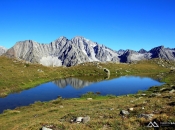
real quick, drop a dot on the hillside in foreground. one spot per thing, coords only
(156, 104)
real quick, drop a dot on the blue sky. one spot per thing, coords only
(118, 24)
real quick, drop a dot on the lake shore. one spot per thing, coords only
(103, 110)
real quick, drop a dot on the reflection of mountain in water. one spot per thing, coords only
(74, 82)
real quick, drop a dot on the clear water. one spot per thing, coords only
(73, 87)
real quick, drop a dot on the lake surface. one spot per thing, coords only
(73, 88)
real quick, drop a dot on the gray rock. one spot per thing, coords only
(61, 106)
(86, 119)
(106, 70)
(123, 112)
(162, 89)
(89, 98)
(172, 68)
(111, 109)
(82, 119)
(131, 109)
(79, 119)
(172, 91)
(2, 50)
(155, 94)
(146, 116)
(45, 128)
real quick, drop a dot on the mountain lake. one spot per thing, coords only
(74, 88)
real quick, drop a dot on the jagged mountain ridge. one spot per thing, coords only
(62, 52)
(80, 50)
(161, 52)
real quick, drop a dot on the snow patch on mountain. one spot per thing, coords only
(50, 61)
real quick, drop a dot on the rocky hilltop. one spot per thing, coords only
(2, 50)
(79, 50)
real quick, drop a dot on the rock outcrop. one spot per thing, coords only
(2, 50)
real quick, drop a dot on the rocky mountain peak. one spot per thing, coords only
(161, 52)
(121, 51)
(79, 50)
(157, 49)
(62, 38)
(142, 51)
(79, 39)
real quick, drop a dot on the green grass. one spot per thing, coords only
(17, 75)
(103, 110)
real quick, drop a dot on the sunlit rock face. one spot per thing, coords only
(2, 50)
(64, 52)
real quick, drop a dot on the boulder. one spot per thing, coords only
(82, 119)
(131, 109)
(45, 128)
(79, 119)
(86, 119)
(172, 91)
(61, 106)
(89, 98)
(155, 94)
(146, 116)
(123, 112)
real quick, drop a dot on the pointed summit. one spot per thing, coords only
(142, 51)
(77, 39)
(61, 38)
(161, 52)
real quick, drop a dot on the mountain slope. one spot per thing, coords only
(163, 53)
(2, 50)
(62, 52)
(80, 50)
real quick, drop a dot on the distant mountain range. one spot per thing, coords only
(79, 50)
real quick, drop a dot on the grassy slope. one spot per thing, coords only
(17, 75)
(99, 109)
